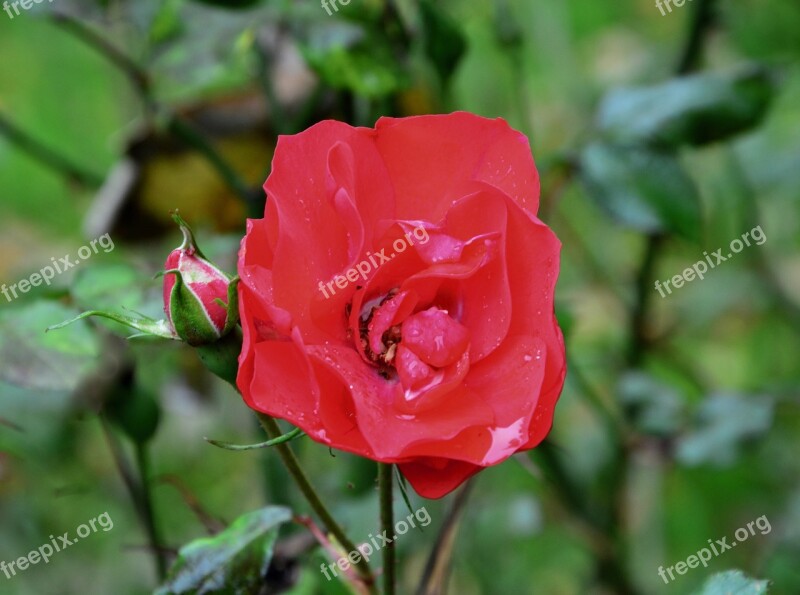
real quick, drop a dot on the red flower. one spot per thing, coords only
(397, 297)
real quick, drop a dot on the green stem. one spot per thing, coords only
(193, 138)
(280, 122)
(224, 363)
(702, 20)
(148, 511)
(611, 569)
(136, 490)
(301, 479)
(47, 156)
(387, 525)
(640, 338)
(437, 568)
(132, 70)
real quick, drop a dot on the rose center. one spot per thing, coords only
(400, 340)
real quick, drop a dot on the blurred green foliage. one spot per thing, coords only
(680, 419)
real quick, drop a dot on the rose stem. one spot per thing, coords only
(612, 569)
(437, 568)
(143, 464)
(387, 524)
(273, 430)
(48, 156)
(301, 479)
(136, 490)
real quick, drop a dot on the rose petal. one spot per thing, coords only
(429, 156)
(435, 337)
(433, 478)
(283, 384)
(377, 417)
(311, 226)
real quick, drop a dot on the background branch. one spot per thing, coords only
(48, 156)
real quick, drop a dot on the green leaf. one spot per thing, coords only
(445, 44)
(733, 582)
(722, 425)
(345, 57)
(231, 563)
(33, 359)
(166, 24)
(693, 110)
(645, 189)
(653, 407)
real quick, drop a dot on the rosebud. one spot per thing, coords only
(194, 300)
(199, 299)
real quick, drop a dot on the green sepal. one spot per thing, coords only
(288, 437)
(232, 306)
(222, 357)
(189, 316)
(146, 326)
(189, 243)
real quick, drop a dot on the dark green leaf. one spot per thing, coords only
(723, 423)
(653, 407)
(33, 359)
(642, 188)
(733, 582)
(231, 563)
(166, 23)
(694, 110)
(346, 58)
(444, 42)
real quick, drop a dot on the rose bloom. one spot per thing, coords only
(397, 297)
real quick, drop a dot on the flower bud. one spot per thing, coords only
(199, 299)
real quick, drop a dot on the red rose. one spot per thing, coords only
(397, 297)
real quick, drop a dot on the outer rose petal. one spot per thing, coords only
(449, 151)
(312, 214)
(434, 478)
